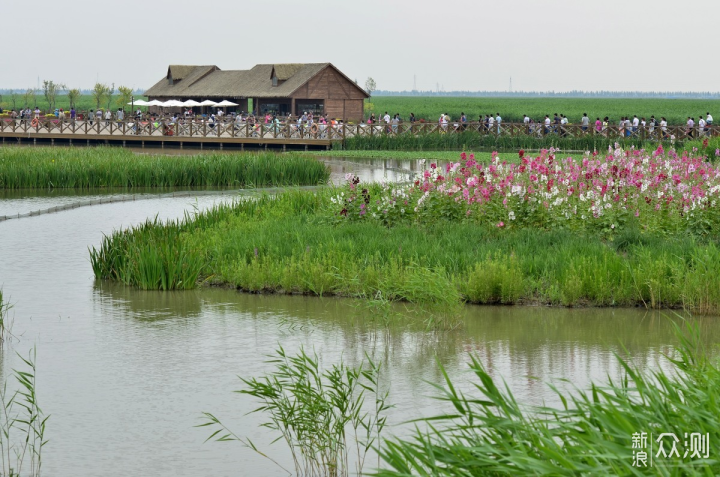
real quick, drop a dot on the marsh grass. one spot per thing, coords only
(5, 324)
(320, 414)
(289, 244)
(22, 423)
(472, 140)
(487, 432)
(82, 168)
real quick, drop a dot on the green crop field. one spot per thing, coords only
(512, 109)
(86, 102)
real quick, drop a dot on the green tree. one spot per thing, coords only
(370, 86)
(50, 91)
(108, 95)
(30, 98)
(125, 96)
(73, 96)
(98, 94)
(14, 99)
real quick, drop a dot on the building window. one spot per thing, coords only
(274, 81)
(312, 105)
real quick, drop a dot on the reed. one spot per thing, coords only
(289, 243)
(83, 168)
(22, 423)
(487, 432)
(320, 414)
(471, 140)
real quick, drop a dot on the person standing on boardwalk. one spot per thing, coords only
(498, 121)
(690, 125)
(584, 122)
(98, 115)
(701, 126)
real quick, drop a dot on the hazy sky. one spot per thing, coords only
(461, 45)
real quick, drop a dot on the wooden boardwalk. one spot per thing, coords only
(292, 135)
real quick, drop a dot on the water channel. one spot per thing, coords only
(126, 373)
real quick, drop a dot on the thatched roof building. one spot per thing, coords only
(281, 88)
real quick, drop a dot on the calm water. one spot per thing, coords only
(125, 374)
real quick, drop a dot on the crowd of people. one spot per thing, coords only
(626, 126)
(489, 123)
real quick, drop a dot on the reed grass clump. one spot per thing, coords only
(83, 168)
(320, 414)
(473, 140)
(289, 243)
(487, 432)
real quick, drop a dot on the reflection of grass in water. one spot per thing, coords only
(490, 433)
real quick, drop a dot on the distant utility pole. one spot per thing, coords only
(510, 90)
(414, 83)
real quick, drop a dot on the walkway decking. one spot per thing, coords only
(232, 134)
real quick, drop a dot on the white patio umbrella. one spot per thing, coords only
(154, 102)
(191, 103)
(224, 103)
(173, 103)
(140, 102)
(207, 102)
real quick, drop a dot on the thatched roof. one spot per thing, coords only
(286, 71)
(178, 72)
(212, 82)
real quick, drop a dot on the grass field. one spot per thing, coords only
(512, 109)
(86, 102)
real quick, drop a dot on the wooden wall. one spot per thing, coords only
(342, 98)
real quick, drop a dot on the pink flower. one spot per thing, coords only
(501, 224)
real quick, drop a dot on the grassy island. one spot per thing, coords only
(630, 228)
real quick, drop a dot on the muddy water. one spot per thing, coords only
(125, 373)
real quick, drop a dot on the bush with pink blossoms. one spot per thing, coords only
(659, 191)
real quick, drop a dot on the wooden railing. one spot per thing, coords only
(338, 132)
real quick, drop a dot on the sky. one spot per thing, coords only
(548, 45)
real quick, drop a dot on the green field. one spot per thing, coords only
(512, 109)
(86, 102)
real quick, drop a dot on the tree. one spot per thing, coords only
(29, 98)
(109, 93)
(14, 99)
(125, 96)
(98, 93)
(51, 90)
(73, 96)
(370, 86)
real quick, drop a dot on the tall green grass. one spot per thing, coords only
(80, 168)
(487, 432)
(474, 140)
(320, 414)
(289, 244)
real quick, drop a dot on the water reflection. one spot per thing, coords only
(514, 343)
